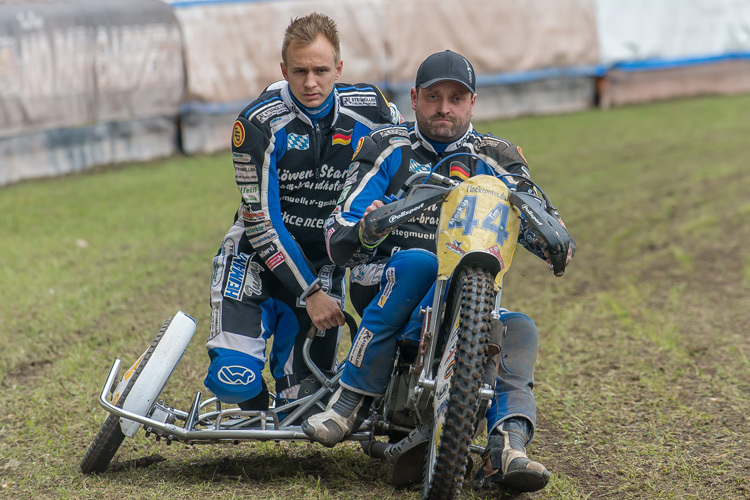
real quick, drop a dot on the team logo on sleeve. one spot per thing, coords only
(296, 141)
(238, 134)
(359, 146)
(520, 152)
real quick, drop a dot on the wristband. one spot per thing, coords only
(313, 292)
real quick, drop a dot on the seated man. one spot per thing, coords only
(291, 148)
(389, 283)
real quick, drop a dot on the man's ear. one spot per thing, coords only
(414, 98)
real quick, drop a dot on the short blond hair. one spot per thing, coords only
(304, 31)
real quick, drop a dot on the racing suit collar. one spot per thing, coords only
(298, 110)
(453, 146)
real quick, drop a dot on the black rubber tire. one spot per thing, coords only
(473, 300)
(110, 436)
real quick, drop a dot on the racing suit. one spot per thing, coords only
(392, 280)
(289, 168)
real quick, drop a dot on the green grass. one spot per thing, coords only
(643, 379)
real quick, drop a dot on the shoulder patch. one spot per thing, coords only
(359, 100)
(238, 134)
(266, 112)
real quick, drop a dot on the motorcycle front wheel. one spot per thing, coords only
(110, 436)
(470, 307)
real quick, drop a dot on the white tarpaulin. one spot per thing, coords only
(672, 30)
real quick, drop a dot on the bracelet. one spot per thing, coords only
(313, 292)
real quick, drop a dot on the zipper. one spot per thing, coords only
(316, 146)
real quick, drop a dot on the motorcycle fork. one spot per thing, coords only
(423, 386)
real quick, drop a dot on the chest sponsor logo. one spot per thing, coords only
(359, 100)
(418, 167)
(250, 193)
(244, 172)
(241, 158)
(238, 134)
(296, 141)
(274, 110)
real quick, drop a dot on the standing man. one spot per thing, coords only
(394, 277)
(271, 276)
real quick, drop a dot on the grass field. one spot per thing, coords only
(643, 380)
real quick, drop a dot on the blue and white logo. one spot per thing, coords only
(418, 167)
(236, 375)
(295, 141)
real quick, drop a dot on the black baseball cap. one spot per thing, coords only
(446, 65)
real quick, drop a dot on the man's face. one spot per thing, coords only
(443, 110)
(311, 71)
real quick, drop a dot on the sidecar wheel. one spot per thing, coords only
(110, 436)
(448, 450)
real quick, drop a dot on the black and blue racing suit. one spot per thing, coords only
(290, 168)
(394, 279)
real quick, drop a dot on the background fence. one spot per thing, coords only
(86, 83)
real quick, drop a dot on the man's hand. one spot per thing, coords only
(373, 206)
(324, 311)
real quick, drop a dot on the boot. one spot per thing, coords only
(505, 463)
(345, 410)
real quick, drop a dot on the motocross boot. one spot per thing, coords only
(505, 463)
(345, 411)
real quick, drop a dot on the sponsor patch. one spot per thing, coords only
(296, 141)
(256, 229)
(390, 278)
(263, 239)
(520, 152)
(488, 141)
(418, 167)
(274, 110)
(241, 158)
(235, 375)
(250, 193)
(495, 250)
(215, 321)
(342, 137)
(238, 134)
(236, 278)
(459, 170)
(393, 131)
(399, 141)
(267, 251)
(455, 247)
(275, 260)
(344, 194)
(359, 100)
(250, 216)
(218, 270)
(357, 353)
(359, 146)
(244, 172)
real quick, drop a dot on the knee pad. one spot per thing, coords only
(233, 376)
(520, 344)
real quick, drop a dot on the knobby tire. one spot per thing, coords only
(474, 300)
(110, 436)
